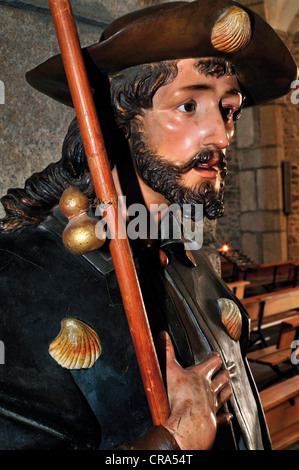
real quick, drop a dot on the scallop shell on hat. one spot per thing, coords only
(231, 317)
(77, 345)
(232, 31)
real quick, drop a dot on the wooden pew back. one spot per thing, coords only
(281, 406)
(282, 351)
(273, 306)
(288, 332)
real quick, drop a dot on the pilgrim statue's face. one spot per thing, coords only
(189, 128)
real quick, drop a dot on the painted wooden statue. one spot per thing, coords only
(179, 75)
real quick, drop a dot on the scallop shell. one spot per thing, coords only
(232, 31)
(77, 346)
(231, 317)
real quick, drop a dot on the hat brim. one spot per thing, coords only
(265, 68)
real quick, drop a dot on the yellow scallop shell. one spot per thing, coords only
(231, 317)
(77, 346)
(232, 31)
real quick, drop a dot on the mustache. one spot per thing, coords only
(206, 155)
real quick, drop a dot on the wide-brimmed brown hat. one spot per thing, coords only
(203, 28)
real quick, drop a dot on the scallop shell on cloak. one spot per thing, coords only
(232, 31)
(231, 317)
(77, 345)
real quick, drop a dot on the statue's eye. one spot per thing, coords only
(227, 112)
(188, 107)
(230, 113)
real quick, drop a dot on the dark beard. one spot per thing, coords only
(164, 178)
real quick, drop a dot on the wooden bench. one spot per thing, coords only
(270, 273)
(238, 288)
(269, 309)
(280, 353)
(281, 407)
(267, 274)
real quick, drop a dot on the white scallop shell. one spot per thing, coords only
(232, 31)
(77, 346)
(231, 317)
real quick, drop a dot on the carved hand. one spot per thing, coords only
(195, 396)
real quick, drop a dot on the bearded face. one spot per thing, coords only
(179, 134)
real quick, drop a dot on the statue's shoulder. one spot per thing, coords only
(44, 242)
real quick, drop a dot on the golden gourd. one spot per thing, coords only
(80, 235)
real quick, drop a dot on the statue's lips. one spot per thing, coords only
(207, 170)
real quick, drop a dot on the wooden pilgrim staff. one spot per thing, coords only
(105, 191)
